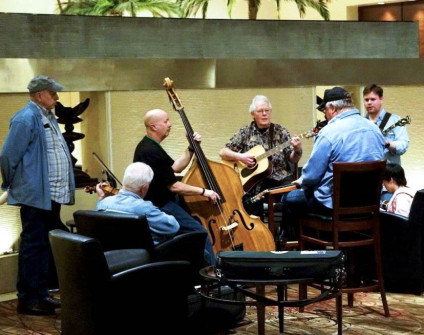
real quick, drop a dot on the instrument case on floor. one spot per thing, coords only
(318, 264)
(212, 317)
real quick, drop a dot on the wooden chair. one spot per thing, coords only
(355, 223)
(274, 196)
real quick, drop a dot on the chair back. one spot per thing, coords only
(115, 230)
(100, 289)
(357, 189)
(82, 272)
(416, 214)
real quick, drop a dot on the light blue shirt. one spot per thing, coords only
(398, 135)
(162, 225)
(348, 137)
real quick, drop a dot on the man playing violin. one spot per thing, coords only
(165, 187)
(136, 182)
(261, 131)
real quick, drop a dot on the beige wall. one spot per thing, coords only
(215, 114)
(113, 126)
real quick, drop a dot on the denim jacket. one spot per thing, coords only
(23, 161)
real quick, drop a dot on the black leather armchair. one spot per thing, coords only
(118, 291)
(128, 231)
(123, 231)
(402, 249)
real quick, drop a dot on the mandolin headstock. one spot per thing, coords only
(173, 97)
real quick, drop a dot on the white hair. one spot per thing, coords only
(136, 175)
(341, 104)
(256, 99)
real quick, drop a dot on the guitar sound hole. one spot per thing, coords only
(247, 171)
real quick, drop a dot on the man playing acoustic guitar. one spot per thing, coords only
(262, 133)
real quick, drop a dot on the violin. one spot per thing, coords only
(109, 190)
(320, 124)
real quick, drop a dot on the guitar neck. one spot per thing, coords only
(402, 122)
(279, 147)
(386, 131)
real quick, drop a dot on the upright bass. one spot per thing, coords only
(228, 225)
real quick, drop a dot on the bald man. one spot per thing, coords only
(165, 186)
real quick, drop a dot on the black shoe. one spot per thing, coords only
(37, 308)
(53, 302)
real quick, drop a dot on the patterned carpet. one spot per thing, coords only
(365, 318)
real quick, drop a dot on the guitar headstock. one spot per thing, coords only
(310, 134)
(404, 121)
(173, 97)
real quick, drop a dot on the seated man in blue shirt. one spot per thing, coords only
(136, 182)
(348, 137)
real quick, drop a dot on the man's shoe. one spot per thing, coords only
(37, 308)
(53, 302)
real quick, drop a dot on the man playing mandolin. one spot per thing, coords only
(262, 132)
(397, 140)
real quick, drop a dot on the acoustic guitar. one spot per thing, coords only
(250, 175)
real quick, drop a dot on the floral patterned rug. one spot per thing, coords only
(365, 318)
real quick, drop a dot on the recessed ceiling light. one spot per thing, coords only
(380, 3)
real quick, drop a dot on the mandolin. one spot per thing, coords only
(401, 123)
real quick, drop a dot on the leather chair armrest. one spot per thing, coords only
(123, 259)
(155, 293)
(188, 246)
(154, 271)
(393, 224)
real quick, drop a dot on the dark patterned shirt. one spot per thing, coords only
(250, 136)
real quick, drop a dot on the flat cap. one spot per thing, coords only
(41, 83)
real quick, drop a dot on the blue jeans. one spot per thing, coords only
(295, 204)
(189, 224)
(386, 196)
(35, 264)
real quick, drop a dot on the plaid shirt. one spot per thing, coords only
(58, 163)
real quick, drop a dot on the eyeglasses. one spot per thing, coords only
(263, 111)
